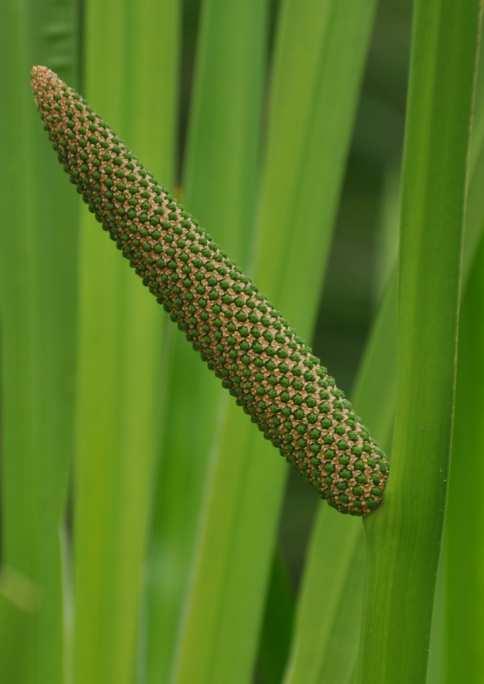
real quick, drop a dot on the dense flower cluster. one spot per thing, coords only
(271, 372)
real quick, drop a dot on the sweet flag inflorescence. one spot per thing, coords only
(270, 371)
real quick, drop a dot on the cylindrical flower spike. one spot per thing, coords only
(243, 339)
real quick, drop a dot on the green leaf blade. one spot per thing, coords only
(404, 537)
(246, 487)
(118, 408)
(220, 180)
(38, 329)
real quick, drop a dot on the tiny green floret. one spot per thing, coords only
(271, 373)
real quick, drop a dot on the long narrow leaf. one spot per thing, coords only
(318, 63)
(404, 538)
(334, 542)
(38, 238)
(461, 652)
(131, 75)
(276, 630)
(464, 653)
(377, 378)
(220, 178)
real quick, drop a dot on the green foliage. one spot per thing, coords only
(403, 542)
(174, 560)
(38, 271)
(220, 173)
(239, 523)
(464, 652)
(462, 612)
(118, 383)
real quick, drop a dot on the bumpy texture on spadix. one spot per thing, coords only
(243, 339)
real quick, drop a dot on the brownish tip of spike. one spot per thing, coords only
(43, 80)
(39, 74)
